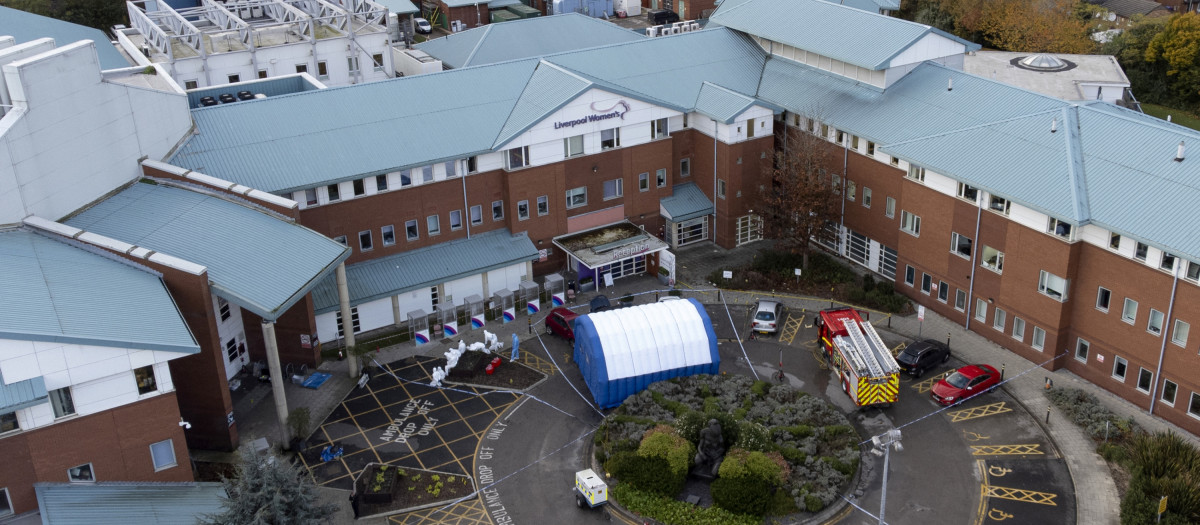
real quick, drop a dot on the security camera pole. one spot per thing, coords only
(883, 445)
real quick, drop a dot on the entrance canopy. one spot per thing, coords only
(608, 244)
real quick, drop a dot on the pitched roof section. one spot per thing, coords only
(282, 144)
(22, 394)
(259, 262)
(526, 38)
(120, 503)
(400, 7)
(1128, 8)
(687, 201)
(425, 267)
(721, 104)
(55, 291)
(25, 27)
(549, 88)
(864, 38)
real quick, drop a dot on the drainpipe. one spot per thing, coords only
(845, 182)
(466, 206)
(974, 257)
(714, 224)
(1162, 351)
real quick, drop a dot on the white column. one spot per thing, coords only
(396, 311)
(281, 409)
(347, 321)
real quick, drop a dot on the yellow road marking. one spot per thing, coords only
(927, 384)
(998, 515)
(790, 328)
(1007, 450)
(1027, 496)
(978, 412)
(974, 436)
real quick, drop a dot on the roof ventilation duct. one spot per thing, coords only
(1179, 152)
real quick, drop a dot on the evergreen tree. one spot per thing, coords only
(269, 490)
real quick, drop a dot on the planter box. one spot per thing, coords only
(384, 494)
(587, 287)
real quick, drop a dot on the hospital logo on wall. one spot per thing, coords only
(616, 111)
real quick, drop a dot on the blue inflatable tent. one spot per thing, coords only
(621, 352)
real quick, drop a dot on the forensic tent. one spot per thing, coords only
(620, 352)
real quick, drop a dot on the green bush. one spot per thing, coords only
(754, 436)
(671, 512)
(741, 463)
(846, 469)
(742, 495)
(813, 503)
(651, 474)
(760, 388)
(675, 407)
(664, 442)
(868, 283)
(1087, 411)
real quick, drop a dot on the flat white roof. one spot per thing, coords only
(1089, 69)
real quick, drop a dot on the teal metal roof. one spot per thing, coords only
(864, 38)
(687, 201)
(549, 88)
(526, 38)
(25, 27)
(425, 267)
(57, 291)
(22, 394)
(873, 6)
(400, 7)
(282, 144)
(121, 503)
(721, 104)
(257, 261)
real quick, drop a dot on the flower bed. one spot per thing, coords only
(408, 488)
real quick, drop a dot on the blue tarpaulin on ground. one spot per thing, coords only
(315, 380)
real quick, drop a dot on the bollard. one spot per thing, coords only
(889, 320)
(718, 295)
(1049, 383)
(656, 297)
(947, 339)
(1047, 414)
(530, 321)
(1002, 371)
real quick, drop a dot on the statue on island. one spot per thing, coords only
(710, 452)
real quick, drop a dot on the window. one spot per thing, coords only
(866, 202)
(381, 183)
(302, 68)
(163, 455)
(352, 64)
(1179, 333)
(451, 168)
(1155, 325)
(825, 131)
(660, 177)
(81, 474)
(840, 136)
(870, 148)
(389, 235)
(1193, 271)
(960, 245)
(999, 319)
(1139, 252)
(262, 73)
(573, 146)
(405, 178)
(1114, 241)
(8, 422)
(967, 192)
(1059, 228)
(310, 197)
(854, 142)
(1168, 392)
(411, 231)
(1167, 262)
(1053, 286)
(476, 215)
(1018, 332)
(613, 189)
(943, 291)
(836, 183)
(355, 325)
(926, 282)
(497, 210)
(750, 128)
(377, 61)
(522, 210)
(1103, 298)
(144, 377)
(335, 193)
(1120, 367)
(1129, 311)
(456, 220)
(980, 309)
(910, 275)
(364, 241)
(426, 174)
(915, 172)
(234, 79)
(658, 128)
(359, 187)
(517, 157)
(851, 190)
(61, 402)
(1194, 405)
(1145, 380)
(472, 164)
(993, 259)
(910, 223)
(685, 167)
(644, 181)
(187, 84)
(721, 188)
(231, 350)
(1081, 350)
(610, 138)
(889, 209)
(1039, 338)
(433, 225)
(223, 308)
(322, 71)
(341, 239)
(543, 205)
(999, 205)
(960, 300)
(5, 503)
(577, 197)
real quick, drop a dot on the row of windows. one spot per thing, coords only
(999, 317)
(322, 70)
(408, 177)
(433, 224)
(1154, 324)
(518, 157)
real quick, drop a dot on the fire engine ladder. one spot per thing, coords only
(880, 350)
(862, 347)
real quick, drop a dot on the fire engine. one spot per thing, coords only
(869, 373)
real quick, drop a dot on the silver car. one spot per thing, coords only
(766, 316)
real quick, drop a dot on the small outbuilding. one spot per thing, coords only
(620, 352)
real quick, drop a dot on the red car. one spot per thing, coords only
(561, 322)
(966, 382)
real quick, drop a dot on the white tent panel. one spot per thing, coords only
(652, 338)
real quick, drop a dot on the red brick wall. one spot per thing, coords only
(116, 442)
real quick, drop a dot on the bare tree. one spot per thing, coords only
(804, 195)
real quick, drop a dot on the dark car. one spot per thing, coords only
(599, 303)
(965, 383)
(662, 16)
(922, 356)
(561, 322)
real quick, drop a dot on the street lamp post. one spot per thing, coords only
(883, 445)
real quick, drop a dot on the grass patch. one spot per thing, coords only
(1178, 116)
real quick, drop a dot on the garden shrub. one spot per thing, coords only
(690, 424)
(742, 495)
(813, 503)
(740, 463)
(664, 442)
(754, 436)
(671, 512)
(648, 473)
(1087, 411)
(760, 388)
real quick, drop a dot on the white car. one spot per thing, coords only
(423, 26)
(766, 316)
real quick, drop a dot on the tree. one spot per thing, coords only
(1147, 79)
(1035, 26)
(1178, 47)
(269, 490)
(802, 197)
(100, 14)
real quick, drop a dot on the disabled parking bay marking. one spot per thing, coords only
(967, 414)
